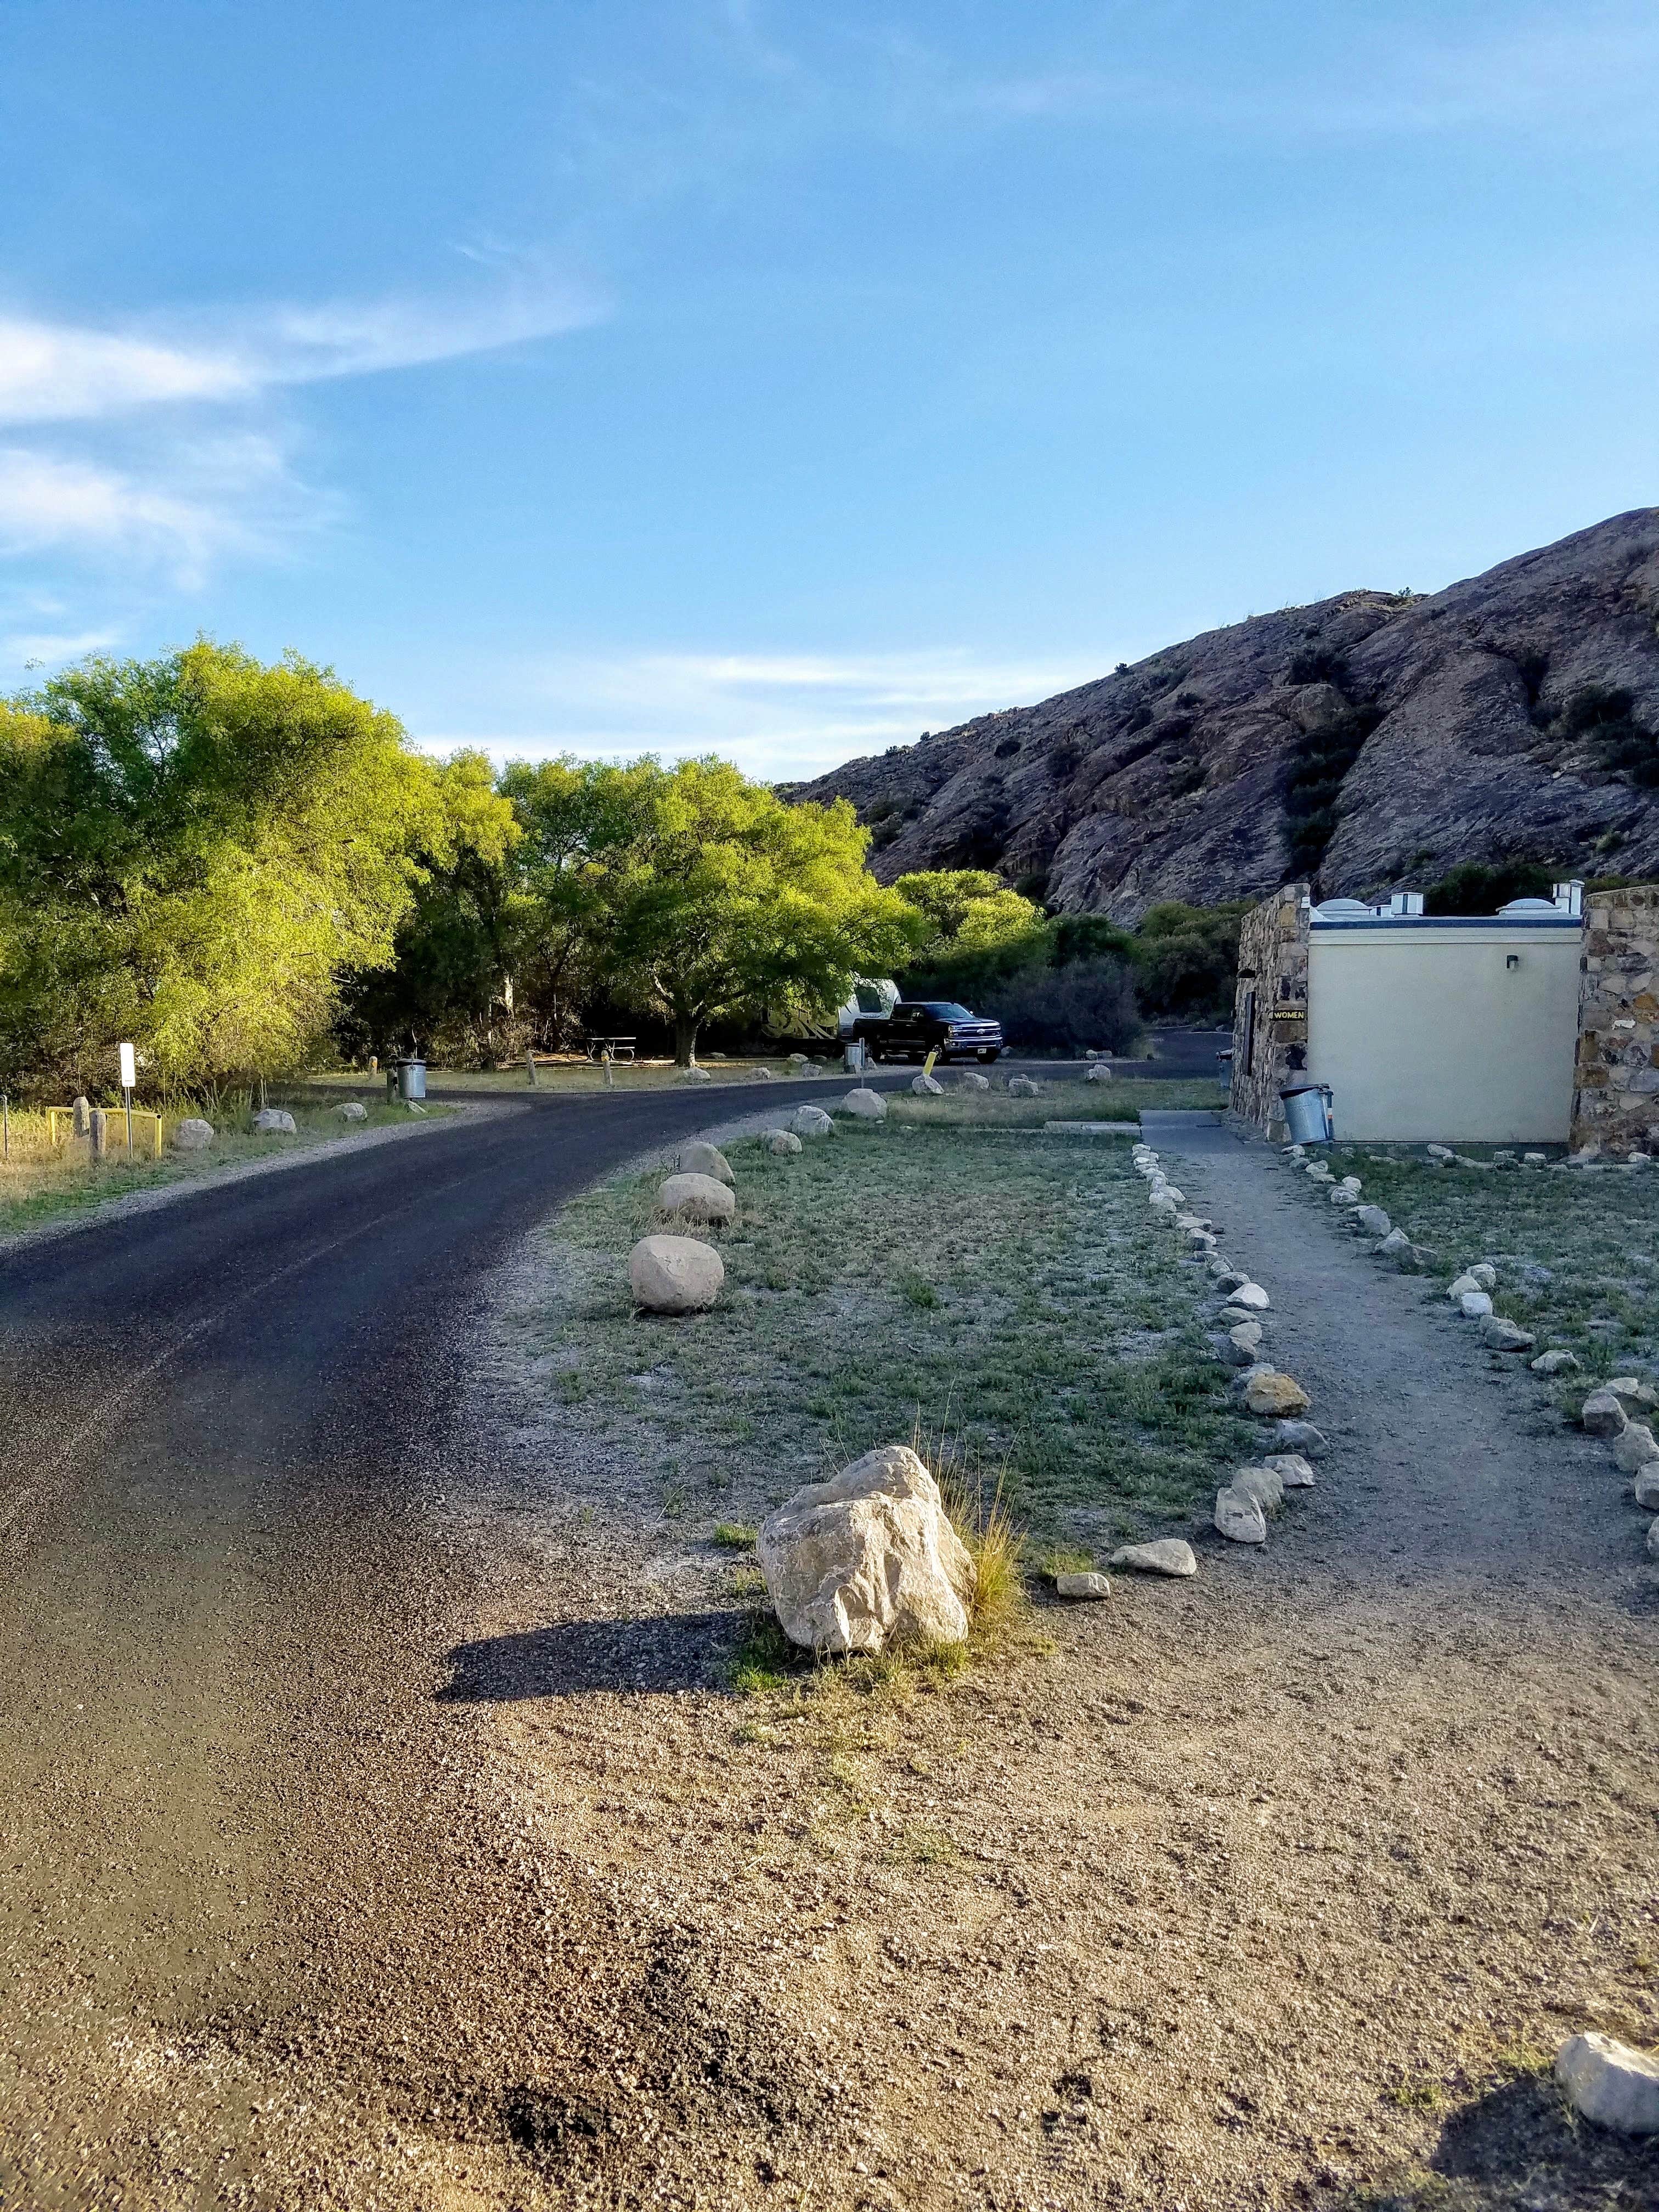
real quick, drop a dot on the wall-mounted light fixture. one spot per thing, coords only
(1512, 960)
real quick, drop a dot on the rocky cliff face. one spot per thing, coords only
(1370, 741)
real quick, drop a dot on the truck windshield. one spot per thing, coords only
(945, 1010)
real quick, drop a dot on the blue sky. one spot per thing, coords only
(784, 380)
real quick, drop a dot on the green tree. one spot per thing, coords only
(449, 989)
(191, 850)
(719, 899)
(967, 910)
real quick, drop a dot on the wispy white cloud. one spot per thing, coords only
(213, 495)
(67, 372)
(23, 652)
(776, 715)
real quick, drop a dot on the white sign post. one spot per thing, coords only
(129, 1085)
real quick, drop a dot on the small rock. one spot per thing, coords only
(1302, 1436)
(1603, 1415)
(812, 1121)
(1633, 1395)
(1438, 1151)
(1373, 1221)
(1500, 1335)
(1179, 1196)
(1100, 1072)
(192, 1135)
(970, 1081)
(1485, 1274)
(1634, 1447)
(1351, 1183)
(1292, 1468)
(1239, 1516)
(1163, 1202)
(1251, 1295)
(353, 1110)
(1653, 1541)
(1461, 1286)
(1610, 2083)
(1231, 1279)
(698, 1197)
(1638, 1160)
(414, 1106)
(865, 1105)
(271, 1121)
(674, 1274)
(1555, 1363)
(699, 1158)
(798, 1059)
(1644, 1486)
(1247, 1336)
(1265, 1483)
(1342, 1195)
(1276, 1394)
(1237, 1317)
(1533, 1160)
(694, 1074)
(781, 1142)
(926, 1086)
(1081, 1585)
(1391, 1246)
(1167, 1556)
(1474, 1305)
(1021, 1086)
(760, 1075)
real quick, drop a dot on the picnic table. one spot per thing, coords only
(613, 1047)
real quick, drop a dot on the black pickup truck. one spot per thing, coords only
(916, 1027)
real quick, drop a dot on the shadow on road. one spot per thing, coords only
(673, 1651)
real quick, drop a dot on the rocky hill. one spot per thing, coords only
(1373, 740)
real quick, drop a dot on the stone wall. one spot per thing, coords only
(1615, 1101)
(1270, 1008)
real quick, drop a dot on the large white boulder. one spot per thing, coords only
(1634, 1447)
(271, 1121)
(781, 1142)
(674, 1274)
(353, 1110)
(926, 1086)
(192, 1135)
(968, 1081)
(1022, 1086)
(694, 1074)
(812, 1121)
(1098, 1073)
(699, 1158)
(868, 1559)
(865, 1105)
(1610, 2084)
(698, 1197)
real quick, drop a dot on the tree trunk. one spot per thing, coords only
(685, 1039)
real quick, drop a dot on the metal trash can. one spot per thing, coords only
(854, 1060)
(1308, 1113)
(411, 1079)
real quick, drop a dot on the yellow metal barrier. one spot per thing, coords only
(115, 1126)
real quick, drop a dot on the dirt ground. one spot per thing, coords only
(1277, 1886)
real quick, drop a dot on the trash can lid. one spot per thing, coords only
(1301, 1090)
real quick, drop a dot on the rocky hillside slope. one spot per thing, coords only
(1371, 740)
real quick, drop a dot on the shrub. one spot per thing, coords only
(1478, 888)
(1091, 1002)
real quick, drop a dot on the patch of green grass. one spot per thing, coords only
(733, 1536)
(1065, 1347)
(765, 1660)
(915, 1290)
(40, 1184)
(1576, 1253)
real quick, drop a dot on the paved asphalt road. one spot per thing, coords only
(236, 1847)
(220, 1420)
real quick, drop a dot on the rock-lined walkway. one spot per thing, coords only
(1441, 1457)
